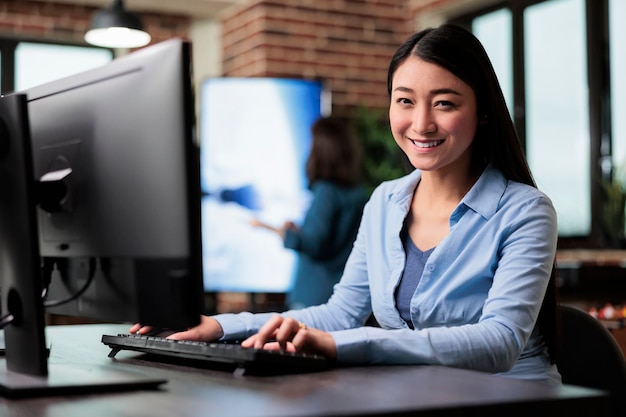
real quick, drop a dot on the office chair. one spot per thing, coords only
(590, 356)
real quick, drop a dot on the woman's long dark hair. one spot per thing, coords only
(496, 141)
(336, 154)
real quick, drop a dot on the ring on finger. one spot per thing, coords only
(301, 326)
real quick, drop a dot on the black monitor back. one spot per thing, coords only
(112, 180)
(126, 132)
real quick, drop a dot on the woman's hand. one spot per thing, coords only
(291, 335)
(208, 330)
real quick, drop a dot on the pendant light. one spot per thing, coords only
(116, 28)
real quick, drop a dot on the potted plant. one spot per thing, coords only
(614, 206)
(383, 159)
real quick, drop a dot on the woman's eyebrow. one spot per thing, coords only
(432, 92)
(403, 89)
(445, 91)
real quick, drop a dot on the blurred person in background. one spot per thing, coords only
(324, 239)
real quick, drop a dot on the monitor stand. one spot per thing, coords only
(67, 379)
(24, 371)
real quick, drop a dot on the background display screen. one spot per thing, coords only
(255, 138)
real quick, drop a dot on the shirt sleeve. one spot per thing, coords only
(347, 308)
(509, 313)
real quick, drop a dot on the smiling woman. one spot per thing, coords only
(434, 119)
(454, 259)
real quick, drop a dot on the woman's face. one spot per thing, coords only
(433, 116)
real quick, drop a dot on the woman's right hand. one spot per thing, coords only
(208, 330)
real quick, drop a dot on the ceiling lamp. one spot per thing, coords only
(116, 28)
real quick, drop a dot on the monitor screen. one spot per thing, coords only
(101, 179)
(255, 139)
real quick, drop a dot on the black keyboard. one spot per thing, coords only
(221, 354)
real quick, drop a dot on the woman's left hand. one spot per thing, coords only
(291, 335)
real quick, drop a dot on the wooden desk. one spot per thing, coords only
(366, 391)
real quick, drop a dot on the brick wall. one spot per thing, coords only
(45, 21)
(347, 44)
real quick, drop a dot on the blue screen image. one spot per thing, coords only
(254, 141)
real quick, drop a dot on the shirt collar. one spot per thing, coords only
(402, 191)
(483, 197)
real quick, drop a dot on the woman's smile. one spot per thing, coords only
(427, 144)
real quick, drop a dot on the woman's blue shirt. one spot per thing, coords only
(478, 299)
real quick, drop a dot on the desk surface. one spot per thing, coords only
(575, 258)
(371, 391)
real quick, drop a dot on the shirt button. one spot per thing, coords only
(430, 267)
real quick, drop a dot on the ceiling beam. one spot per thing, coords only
(202, 9)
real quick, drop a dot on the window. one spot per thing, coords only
(27, 64)
(494, 32)
(557, 120)
(565, 93)
(58, 60)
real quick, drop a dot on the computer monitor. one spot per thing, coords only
(100, 198)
